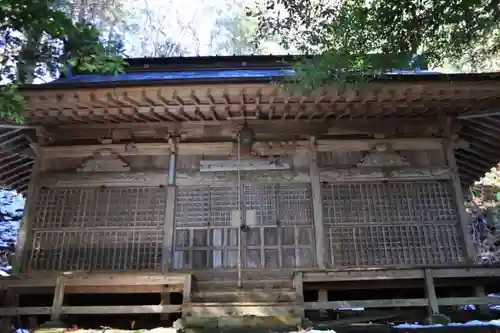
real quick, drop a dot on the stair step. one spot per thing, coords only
(239, 295)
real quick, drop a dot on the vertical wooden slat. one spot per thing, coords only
(317, 207)
(459, 197)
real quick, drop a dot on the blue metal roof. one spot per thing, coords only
(211, 74)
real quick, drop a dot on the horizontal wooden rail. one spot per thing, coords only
(121, 309)
(246, 308)
(408, 302)
(96, 279)
(398, 274)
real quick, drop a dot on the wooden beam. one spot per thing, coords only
(96, 310)
(256, 309)
(98, 179)
(242, 309)
(253, 295)
(368, 144)
(389, 127)
(450, 301)
(141, 289)
(139, 149)
(122, 309)
(23, 311)
(332, 275)
(94, 279)
(372, 303)
(397, 303)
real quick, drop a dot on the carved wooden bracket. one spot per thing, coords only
(382, 155)
(275, 148)
(104, 160)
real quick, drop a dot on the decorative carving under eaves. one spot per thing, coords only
(195, 178)
(104, 160)
(377, 174)
(383, 156)
(108, 179)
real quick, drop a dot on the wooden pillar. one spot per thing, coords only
(168, 228)
(480, 292)
(57, 303)
(317, 201)
(323, 297)
(298, 284)
(11, 301)
(187, 295)
(165, 300)
(464, 222)
(25, 236)
(169, 225)
(430, 293)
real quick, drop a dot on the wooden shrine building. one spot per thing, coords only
(200, 177)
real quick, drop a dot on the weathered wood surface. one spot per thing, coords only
(93, 279)
(332, 275)
(241, 309)
(216, 279)
(409, 302)
(108, 309)
(222, 102)
(107, 179)
(246, 308)
(254, 295)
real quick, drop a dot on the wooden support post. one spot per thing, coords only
(464, 222)
(168, 228)
(430, 292)
(298, 284)
(186, 293)
(169, 225)
(11, 301)
(480, 292)
(58, 300)
(317, 201)
(323, 297)
(25, 235)
(165, 300)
